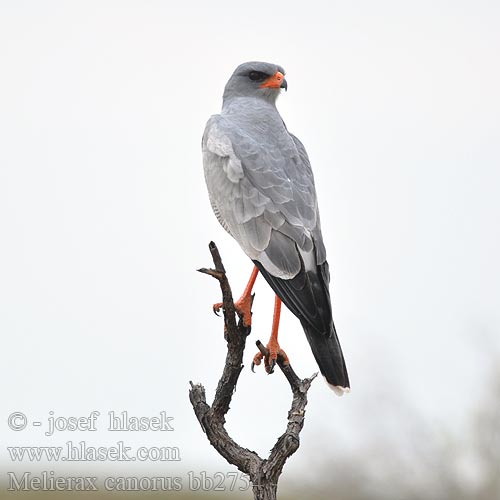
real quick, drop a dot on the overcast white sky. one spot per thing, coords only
(104, 215)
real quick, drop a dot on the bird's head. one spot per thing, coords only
(256, 79)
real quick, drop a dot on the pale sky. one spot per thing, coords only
(104, 215)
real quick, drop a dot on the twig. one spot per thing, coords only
(264, 473)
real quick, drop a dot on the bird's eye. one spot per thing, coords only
(257, 75)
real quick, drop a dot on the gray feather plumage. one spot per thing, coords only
(261, 185)
(261, 188)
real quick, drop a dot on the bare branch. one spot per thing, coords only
(263, 473)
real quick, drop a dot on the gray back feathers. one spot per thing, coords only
(259, 178)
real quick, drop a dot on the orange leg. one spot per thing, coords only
(273, 346)
(243, 305)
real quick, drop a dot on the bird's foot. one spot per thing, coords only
(270, 355)
(243, 307)
(217, 307)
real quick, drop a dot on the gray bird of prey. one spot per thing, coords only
(261, 189)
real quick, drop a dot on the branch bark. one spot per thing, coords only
(263, 473)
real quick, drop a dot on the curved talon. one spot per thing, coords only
(257, 359)
(217, 307)
(242, 308)
(270, 358)
(270, 368)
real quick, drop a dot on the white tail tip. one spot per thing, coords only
(338, 389)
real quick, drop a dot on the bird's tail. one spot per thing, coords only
(328, 354)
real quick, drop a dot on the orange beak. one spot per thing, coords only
(273, 82)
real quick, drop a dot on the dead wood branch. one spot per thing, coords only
(263, 473)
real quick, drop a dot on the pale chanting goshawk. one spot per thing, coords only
(261, 188)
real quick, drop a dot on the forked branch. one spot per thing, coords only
(263, 473)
